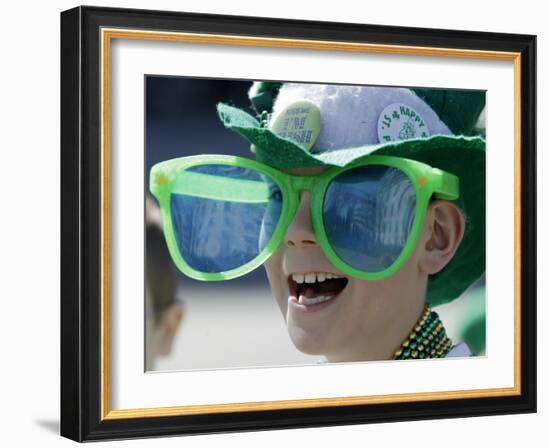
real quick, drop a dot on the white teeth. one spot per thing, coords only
(298, 278)
(313, 300)
(311, 277)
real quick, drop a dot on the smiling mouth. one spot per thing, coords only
(313, 288)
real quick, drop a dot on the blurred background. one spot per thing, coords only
(194, 325)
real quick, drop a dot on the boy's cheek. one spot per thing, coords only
(277, 280)
(275, 274)
(274, 264)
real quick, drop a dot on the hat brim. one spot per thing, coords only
(459, 155)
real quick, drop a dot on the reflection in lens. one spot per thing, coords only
(368, 214)
(223, 216)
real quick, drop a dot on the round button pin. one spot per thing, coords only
(300, 121)
(400, 122)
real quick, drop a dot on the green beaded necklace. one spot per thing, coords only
(428, 339)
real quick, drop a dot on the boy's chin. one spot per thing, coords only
(307, 342)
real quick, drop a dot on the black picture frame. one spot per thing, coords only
(83, 410)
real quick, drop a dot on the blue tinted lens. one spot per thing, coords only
(368, 214)
(223, 216)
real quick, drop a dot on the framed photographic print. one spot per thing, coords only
(258, 214)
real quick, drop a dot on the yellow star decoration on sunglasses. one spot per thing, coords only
(160, 179)
(422, 181)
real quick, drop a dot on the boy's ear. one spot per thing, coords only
(442, 233)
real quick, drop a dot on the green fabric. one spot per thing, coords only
(459, 155)
(474, 335)
(459, 110)
(287, 152)
(473, 317)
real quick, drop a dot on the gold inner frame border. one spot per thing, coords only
(107, 35)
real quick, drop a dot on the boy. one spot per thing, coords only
(360, 256)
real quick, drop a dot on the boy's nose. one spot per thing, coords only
(300, 231)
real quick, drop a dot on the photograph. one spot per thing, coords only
(303, 223)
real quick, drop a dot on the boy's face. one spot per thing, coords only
(366, 320)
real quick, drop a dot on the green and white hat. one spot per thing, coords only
(306, 125)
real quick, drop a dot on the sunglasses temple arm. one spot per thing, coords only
(446, 185)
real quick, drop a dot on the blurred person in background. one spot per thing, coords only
(163, 308)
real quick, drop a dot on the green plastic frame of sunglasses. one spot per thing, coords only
(169, 177)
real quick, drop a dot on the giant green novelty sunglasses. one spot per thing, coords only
(223, 216)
